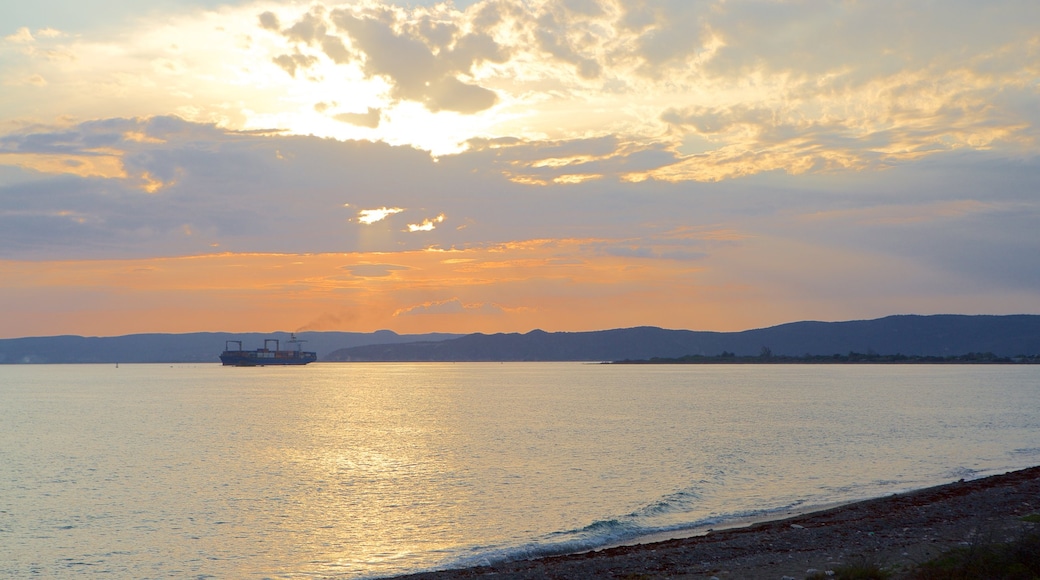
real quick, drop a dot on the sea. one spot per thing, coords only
(369, 470)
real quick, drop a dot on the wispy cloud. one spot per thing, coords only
(451, 306)
(374, 270)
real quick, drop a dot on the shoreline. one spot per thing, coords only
(896, 531)
(730, 524)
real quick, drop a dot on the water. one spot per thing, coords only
(368, 470)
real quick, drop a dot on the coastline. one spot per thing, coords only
(896, 531)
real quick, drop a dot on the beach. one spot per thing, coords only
(896, 531)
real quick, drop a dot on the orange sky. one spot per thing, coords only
(555, 285)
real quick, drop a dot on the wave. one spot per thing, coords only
(679, 502)
(620, 530)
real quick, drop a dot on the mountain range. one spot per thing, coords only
(937, 335)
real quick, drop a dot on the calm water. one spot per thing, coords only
(367, 470)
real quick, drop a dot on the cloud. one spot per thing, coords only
(36, 80)
(955, 219)
(49, 33)
(371, 216)
(21, 36)
(904, 214)
(746, 82)
(416, 73)
(574, 161)
(370, 119)
(137, 182)
(269, 21)
(555, 35)
(329, 321)
(399, 51)
(291, 63)
(308, 29)
(334, 48)
(450, 94)
(427, 225)
(654, 253)
(668, 33)
(451, 306)
(374, 270)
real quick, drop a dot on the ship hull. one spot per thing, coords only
(268, 358)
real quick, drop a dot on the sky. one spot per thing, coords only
(506, 165)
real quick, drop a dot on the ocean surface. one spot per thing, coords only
(370, 470)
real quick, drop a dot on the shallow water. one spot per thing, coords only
(365, 470)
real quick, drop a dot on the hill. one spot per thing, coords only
(939, 335)
(180, 348)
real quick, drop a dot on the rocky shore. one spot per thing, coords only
(897, 531)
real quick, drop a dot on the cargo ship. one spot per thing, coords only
(266, 356)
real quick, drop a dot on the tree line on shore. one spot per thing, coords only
(766, 356)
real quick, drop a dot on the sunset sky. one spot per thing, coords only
(506, 165)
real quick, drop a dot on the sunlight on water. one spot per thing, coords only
(363, 470)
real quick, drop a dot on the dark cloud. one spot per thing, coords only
(310, 28)
(553, 36)
(473, 49)
(437, 33)
(451, 94)
(269, 21)
(334, 48)
(670, 31)
(423, 61)
(245, 192)
(290, 63)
